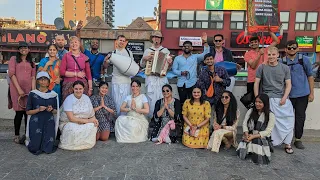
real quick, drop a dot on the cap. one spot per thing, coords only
(42, 74)
(23, 44)
(157, 34)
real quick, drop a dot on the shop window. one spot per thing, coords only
(202, 19)
(173, 19)
(187, 19)
(284, 19)
(237, 20)
(306, 21)
(216, 20)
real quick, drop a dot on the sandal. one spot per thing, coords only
(288, 150)
(16, 139)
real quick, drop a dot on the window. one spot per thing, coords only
(187, 19)
(237, 20)
(284, 19)
(306, 21)
(173, 19)
(202, 19)
(216, 20)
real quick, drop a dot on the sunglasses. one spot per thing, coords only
(292, 48)
(218, 40)
(224, 97)
(165, 91)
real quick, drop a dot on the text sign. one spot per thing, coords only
(263, 14)
(136, 47)
(33, 37)
(305, 41)
(239, 40)
(196, 41)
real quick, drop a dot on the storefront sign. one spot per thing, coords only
(262, 14)
(318, 44)
(33, 37)
(226, 4)
(305, 41)
(238, 40)
(196, 41)
(136, 47)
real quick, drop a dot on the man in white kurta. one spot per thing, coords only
(154, 83)
(120, 82)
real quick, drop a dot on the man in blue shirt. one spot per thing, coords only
(185, 67)
(302, 86)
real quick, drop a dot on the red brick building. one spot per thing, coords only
(190, 18)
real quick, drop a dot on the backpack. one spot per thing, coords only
(300, 61)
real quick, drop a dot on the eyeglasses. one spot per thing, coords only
(224, 97)
(218, 40)
(165, 91)
(292, 48)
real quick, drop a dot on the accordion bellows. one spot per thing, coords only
(159, 65)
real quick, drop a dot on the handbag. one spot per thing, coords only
(248, 98)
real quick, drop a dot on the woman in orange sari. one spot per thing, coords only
(51, 65)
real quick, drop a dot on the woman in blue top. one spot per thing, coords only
(51, 65)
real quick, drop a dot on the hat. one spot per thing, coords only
(157, 34)
(42, 74)
(23, 44)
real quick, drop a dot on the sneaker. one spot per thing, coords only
(298, 145)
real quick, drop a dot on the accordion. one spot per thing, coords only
(159, 65)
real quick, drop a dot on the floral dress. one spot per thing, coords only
(196, 114)
(105, 118)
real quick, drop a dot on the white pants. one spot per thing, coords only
(119, 93)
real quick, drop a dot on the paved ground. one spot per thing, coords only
(111, 160)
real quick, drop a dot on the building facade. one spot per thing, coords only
(77, 10)
(300, 20)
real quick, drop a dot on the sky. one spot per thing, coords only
(25, 10)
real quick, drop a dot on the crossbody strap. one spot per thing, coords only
(74, 58)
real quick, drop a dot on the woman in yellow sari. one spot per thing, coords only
(51, 65)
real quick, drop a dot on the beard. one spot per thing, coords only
(94, 48)
(187, 51)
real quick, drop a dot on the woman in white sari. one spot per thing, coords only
(133, 127)
(78, 124)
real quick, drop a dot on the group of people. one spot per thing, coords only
(59, 102)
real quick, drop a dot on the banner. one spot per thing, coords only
(305, 41)
(318, 44)
(33, 37)
(262, 14)
(226, 5)
(239, 40)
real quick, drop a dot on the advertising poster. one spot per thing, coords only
(226, 5)
(305, 41)
(262, 14)
(318, 44)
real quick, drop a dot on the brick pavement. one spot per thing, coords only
(114, 161)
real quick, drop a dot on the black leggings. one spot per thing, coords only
(17, 121)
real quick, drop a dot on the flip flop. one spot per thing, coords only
(288, 150)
